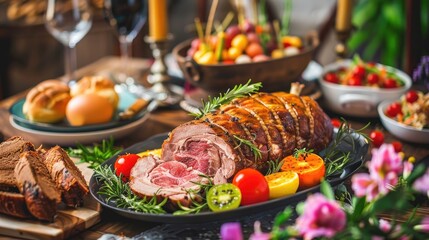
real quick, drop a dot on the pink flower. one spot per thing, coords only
(363, 185)
(422, 183)
(423, 226)
(385, 160)
(321, 218)
(384, 169)
(384, 225)
(231, 231)
(408, 168)
(258, 234)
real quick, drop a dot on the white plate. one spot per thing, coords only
(400, 130)
(70, 139)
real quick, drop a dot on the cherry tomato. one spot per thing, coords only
(372, 78)
(336, 122)
(355, 81)
(253, 186)
(377, 138)
(397, 146)
(411, 96)
(124, 163)
(359, 71)
(390, 83)
(394, 109)
(223, 197)
(331, 77)
(240, 42)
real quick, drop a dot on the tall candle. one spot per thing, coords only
(158, 28)
(344, 15)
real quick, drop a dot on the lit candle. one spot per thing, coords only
(158, 28)
(344, 15)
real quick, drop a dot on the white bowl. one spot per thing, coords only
(400, 130)
(358, 101)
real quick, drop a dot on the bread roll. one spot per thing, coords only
(99, 85)
(47, 102)
(89, 108)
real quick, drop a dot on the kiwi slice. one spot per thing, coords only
(223, 197)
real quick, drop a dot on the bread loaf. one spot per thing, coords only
(99, 85)
(13, 204)
(47, 102)
(35, 183)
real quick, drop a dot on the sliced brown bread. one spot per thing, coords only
(66, 176)
(13, 204)
(10, 150)
(35, 183)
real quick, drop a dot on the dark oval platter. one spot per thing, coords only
(358, 157)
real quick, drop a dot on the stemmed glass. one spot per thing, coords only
(127, 17)
(68, 21)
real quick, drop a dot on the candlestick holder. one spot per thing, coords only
(158, 76)
(341, 47)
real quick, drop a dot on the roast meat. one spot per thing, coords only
(275, 123)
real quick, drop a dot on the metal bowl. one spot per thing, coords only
(275, 74)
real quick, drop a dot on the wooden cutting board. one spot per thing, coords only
(67, 223)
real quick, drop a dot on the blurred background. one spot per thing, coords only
(393, 32)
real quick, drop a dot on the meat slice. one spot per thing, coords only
(34, 182)
(67, 177)
(198, 141)
(151, 177)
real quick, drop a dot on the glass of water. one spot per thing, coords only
(68, 21)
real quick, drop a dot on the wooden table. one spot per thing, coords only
(164, 120)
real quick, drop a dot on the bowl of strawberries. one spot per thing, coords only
(231, 57)
(353, 87)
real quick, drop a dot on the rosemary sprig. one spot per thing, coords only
(335, 159)
(204, 187)
(255, 150)
(238, 91)
(118, 191)
(274, 166)
(303, 151)
(96, 154)
(196, 208)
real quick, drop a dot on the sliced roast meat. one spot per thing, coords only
(151, 177)
(67, 177)
(198, 141)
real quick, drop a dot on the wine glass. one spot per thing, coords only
(127, 17)
(68, 21)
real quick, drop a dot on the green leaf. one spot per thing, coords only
(392, 13)
(357, 39)
(326, 190)
(365, 13)
(391, 51)
(358, 204)
(416, 173)
(282, 217)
